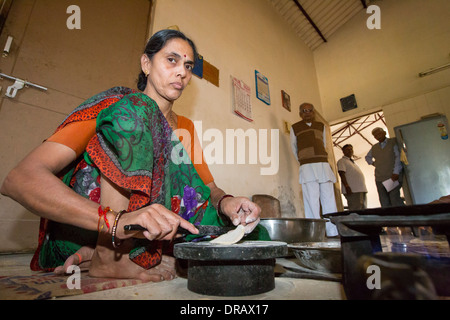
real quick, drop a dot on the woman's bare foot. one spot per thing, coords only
(85, 254)
(108, 262)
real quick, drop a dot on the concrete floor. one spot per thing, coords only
(286, 288)
(15, 264)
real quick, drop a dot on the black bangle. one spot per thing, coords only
(117, 243)
(219, 211)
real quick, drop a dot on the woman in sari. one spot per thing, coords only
(114, 161)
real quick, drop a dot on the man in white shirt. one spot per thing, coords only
(308, 142)
(352, 179)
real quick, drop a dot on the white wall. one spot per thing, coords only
(238, 37)
(381, 67)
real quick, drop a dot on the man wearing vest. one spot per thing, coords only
(308, 142)
(386, 159)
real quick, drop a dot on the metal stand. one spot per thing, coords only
(360, 239)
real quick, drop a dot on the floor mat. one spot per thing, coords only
(49, 285)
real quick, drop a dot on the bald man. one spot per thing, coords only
(315, 176)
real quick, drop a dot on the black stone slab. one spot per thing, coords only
(247, 250)
(239, 269)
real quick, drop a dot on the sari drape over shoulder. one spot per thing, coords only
(135, 148)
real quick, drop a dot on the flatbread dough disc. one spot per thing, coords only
(231, 237)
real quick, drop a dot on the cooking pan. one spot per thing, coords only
(292, 230)
(319, 256)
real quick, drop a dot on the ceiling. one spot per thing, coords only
(315, 21)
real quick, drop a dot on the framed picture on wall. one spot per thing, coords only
(262, 88)
(285, 100)
(198, 67)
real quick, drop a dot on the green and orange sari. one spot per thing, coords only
(135, 148)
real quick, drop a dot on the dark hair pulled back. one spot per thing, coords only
(156, 43)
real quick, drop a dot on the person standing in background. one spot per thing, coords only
(316, 177)
(353, 183)
(385, 156)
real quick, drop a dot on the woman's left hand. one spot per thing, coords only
(240, 210)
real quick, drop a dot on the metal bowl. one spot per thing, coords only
(319, 256)
(292, 230)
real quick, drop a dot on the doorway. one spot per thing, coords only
(358, 133)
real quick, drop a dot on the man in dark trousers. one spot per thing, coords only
(353, 183)
(385, 156)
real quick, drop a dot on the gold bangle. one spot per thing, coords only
(117, 243)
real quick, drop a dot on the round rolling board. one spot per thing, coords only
(240, 269)
(246, 250)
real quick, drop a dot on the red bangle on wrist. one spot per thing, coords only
(102, 214)
(220, 202)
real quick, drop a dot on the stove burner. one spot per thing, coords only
(360, 233)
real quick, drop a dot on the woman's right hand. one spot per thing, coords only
(161, 223)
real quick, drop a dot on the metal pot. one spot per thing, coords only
(292, 230)
(319, 256)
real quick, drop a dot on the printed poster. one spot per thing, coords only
(262, 88)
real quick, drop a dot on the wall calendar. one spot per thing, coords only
(241, 99)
